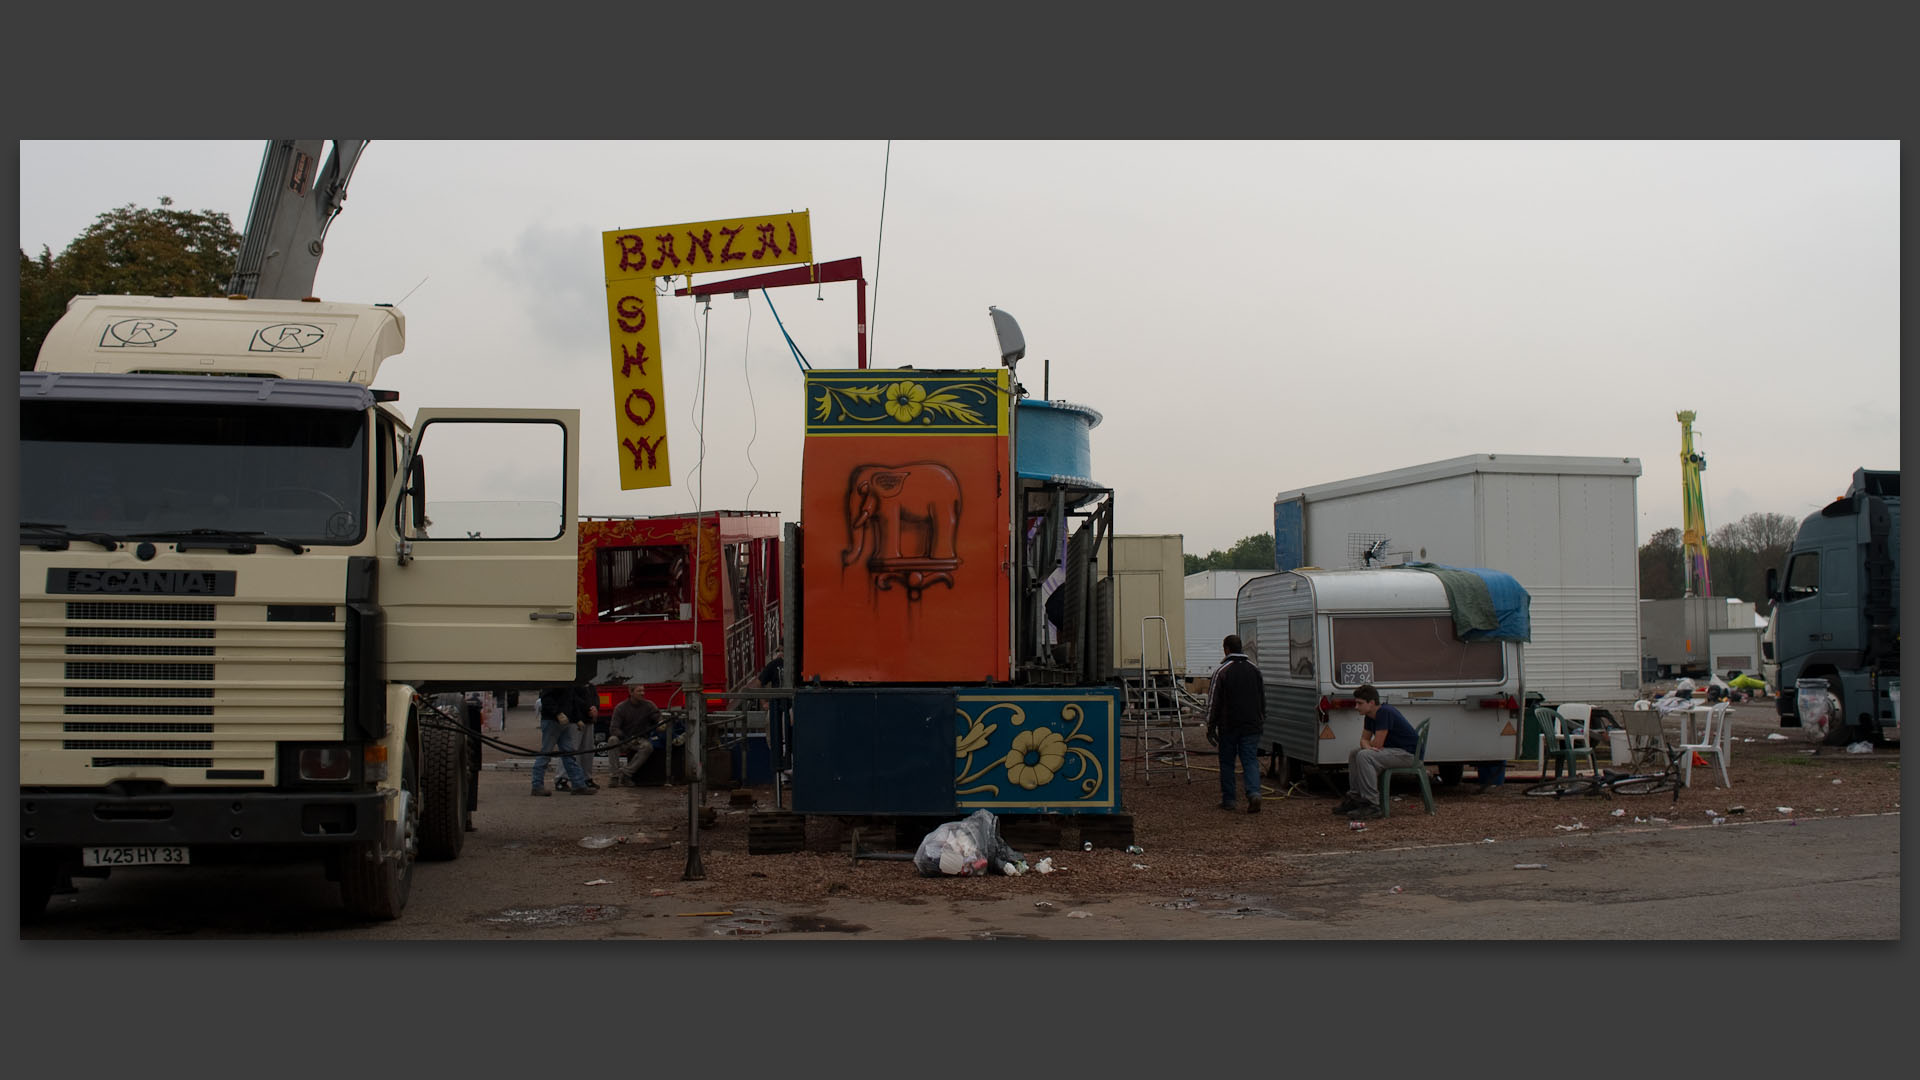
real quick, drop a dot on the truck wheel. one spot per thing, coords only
(1452, 772)
(38, 873)
(1840, 731)
(376, 887)
(443, 793)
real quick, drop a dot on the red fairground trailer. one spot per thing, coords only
(639, 585)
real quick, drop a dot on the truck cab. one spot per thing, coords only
(1837, 609)
(236, 602)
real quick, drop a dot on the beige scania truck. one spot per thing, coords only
(235, 606)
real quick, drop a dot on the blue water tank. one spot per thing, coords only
(1051, 442)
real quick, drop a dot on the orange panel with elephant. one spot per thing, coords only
(903, 499)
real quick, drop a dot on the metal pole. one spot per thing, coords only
(696, 759)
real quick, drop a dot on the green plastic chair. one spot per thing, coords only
(1419, 770)
(1556, 747)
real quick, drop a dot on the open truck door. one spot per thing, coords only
(478, 550)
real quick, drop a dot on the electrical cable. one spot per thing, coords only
(873, 313)
(753, 409)
(797, 358)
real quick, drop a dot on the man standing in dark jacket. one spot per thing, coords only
(1236, 713)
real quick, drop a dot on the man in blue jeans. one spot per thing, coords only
(1236, 713)
(563, 714)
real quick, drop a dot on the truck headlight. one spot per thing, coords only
(326, 763)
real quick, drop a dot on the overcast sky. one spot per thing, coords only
(1250, 318)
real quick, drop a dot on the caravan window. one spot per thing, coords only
(1409, 649)
(1300, 646)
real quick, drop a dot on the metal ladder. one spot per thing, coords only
(1154, 700)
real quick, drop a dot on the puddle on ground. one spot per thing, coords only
(748, 923)
(1226, 906)
(564, 915)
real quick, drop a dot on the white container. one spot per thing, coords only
(1618, 752)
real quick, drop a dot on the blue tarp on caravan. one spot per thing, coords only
(1488, 605)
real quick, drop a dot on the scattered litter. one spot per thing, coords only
(1139, 866)
(1078, 915)
(1136, 849)
(1719, 821)
(1861, 747)
(1356, 826)
(1043, 905)
(1529, 866)
(1395, 889)
(1736, 809)
(1044, 866)
(1746, 740)
(659, 892)
(595, 843)
(1488, 840)
(1711, 813)
(1836, 781)
(1784, 809)
(1776, 737)
(1658, 820)
(599, 881)
(699, 914)
(1619, 813)
(967, 848)
(1088, 846)
(1639, 821)
(1571, 828)
(1011, 869)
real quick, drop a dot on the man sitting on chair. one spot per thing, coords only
(1386, 741)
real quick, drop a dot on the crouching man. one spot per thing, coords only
(634, 718)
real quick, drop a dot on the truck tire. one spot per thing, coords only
(374, 887)
(1840, 729)
(443, 792)
(39, 870)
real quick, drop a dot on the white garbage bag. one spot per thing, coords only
(965, 848)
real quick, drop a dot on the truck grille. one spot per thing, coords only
(189, 692)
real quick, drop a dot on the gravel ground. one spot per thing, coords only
(1189, 843)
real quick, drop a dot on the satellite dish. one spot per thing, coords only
(1013, 344)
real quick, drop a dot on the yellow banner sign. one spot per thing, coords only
(639, 414)
(634, 258)
(706, 246)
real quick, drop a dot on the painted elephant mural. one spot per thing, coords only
(903, 521)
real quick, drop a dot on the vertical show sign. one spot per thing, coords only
(634, 258)
(639, 414)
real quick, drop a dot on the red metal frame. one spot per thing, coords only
(715, 609)
(837, 270)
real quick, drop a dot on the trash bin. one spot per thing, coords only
(1811, 701)
(1618, 752)
(1529, 727)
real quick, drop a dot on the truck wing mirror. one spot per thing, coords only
(417, 491)
(1773, 585)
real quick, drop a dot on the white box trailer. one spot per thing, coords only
(1317, 635)
(1564, 527)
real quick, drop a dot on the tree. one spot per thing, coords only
(1662, 575)
(147, 252)
(1248, 553)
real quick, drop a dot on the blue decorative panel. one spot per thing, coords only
(1289, 535)
(1035, 750)
(872, 751)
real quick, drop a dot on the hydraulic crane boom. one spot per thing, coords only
(1693, 538)
(294, 201)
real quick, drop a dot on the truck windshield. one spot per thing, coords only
(128, 469)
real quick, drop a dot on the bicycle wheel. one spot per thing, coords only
(1648, 785)
(1564, 785)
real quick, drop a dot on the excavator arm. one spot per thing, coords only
(294, 201)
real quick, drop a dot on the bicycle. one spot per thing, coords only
(1610, 783)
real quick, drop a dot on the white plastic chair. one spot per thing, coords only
(1704, 735)
(1577, 723)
